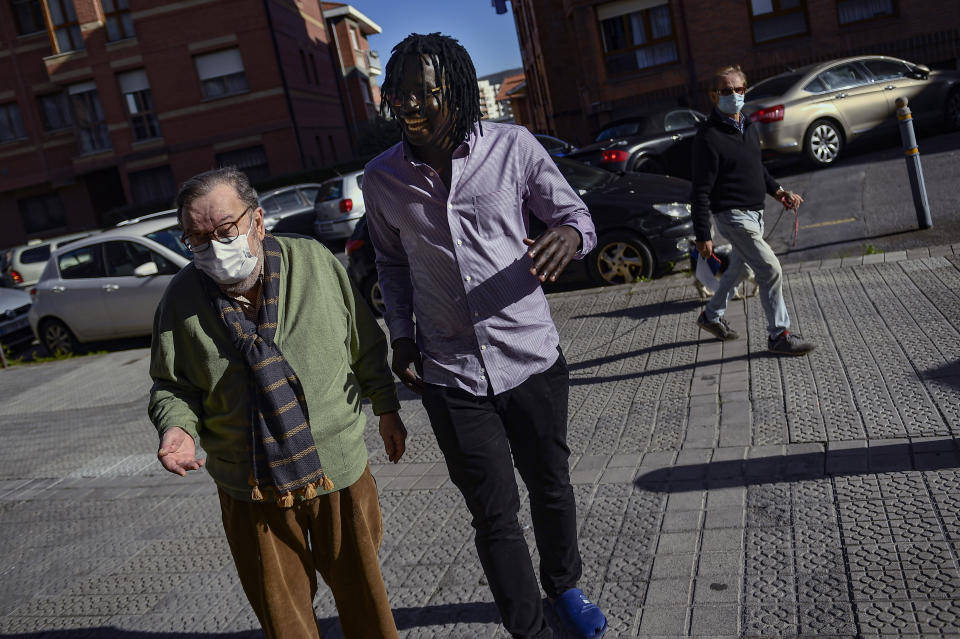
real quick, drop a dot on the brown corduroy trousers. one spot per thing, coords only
(278, 552)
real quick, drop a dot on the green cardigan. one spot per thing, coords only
(201, 382)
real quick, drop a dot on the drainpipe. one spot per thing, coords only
(286, 88)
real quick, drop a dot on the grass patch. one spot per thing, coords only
(872, 250)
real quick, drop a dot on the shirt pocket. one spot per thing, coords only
(498, 214)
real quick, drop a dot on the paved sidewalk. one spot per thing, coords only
(722, 491)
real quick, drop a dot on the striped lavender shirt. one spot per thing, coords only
(456, 260)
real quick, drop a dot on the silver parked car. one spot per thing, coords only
(22, 265)
(338, 206)
(817, 110)
(286, 201)
(106, 286)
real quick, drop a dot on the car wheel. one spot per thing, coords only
(823, 142)
(647, 164)
(58, 338)
(620, 258)
(373, 294)
(952, 110)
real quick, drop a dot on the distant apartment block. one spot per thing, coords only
(357, 64)
(107, 105)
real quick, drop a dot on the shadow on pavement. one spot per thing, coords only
(649, 310)
(936, 454)
(949, 373)
(406, 618)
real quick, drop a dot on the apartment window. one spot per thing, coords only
(850, 11)
(637, 34)
(91, 125)
(55, 112)
(28, 16)
(64, 26)
(42, 213)
(221, 73)
(11, 123)
(119, 20)
(252, 161)
(136, 95)
(775, 19)
(153, 185)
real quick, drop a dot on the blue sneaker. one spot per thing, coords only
(581, 616)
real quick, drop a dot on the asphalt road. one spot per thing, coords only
(863, 203)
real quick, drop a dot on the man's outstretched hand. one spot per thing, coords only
(405, 353)
(178, 453)
(552, 251)
(394, 435)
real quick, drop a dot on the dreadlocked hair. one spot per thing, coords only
(455, 74)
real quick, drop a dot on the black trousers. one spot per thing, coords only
(477, 436)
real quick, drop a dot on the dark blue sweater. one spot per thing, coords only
(727, 172)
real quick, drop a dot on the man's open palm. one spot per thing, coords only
(178, 453)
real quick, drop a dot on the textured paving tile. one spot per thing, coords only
(721, 491)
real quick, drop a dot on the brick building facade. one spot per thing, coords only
(358, 65)
(107, 105)
(590, 61)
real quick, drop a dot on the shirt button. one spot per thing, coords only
(467, 278)
(459, 242)
(449, 207)
(483, 348)
(482, 378)
(476, 314)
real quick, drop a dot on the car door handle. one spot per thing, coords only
(58, 289)
(677, 137)
(889, 87)
(111, 287)
(840, 96)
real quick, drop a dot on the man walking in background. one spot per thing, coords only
(729, 179)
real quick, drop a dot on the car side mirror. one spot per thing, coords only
(568, 148)
(921, 72)
(146, 269)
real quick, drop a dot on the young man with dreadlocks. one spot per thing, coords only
(447, 211)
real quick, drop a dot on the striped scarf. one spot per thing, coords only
(283, 453)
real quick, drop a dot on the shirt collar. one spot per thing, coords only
(737, 124)
(463, 150)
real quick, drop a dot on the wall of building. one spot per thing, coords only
(294, 126)
(579, 95)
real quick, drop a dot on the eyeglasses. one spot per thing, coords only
(223, 233)
(732, 90)
(417, 97)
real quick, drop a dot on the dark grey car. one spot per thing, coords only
(659, 142)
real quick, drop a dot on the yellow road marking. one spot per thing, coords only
(830, 223)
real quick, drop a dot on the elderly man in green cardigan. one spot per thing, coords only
(261, 351)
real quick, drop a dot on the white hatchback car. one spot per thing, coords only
(338, 206)
(106, 286)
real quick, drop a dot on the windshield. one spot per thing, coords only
(582, 177)
(624, 130)
(773, 87)
(170, 238)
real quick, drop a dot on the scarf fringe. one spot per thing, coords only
(286, 499)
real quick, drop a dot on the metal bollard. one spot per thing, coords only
(914, 170)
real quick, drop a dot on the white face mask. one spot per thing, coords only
(227, 263)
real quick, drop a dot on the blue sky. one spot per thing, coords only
(490, 39)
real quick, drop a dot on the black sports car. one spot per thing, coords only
(660, 142)
(643, 226)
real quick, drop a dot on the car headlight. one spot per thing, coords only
(673, 209)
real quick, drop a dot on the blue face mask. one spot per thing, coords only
(730, 104)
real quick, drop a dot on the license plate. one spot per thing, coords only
(326, 227)
(14, 326)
